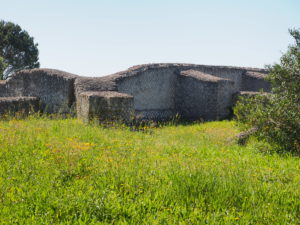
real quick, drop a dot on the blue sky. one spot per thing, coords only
(96, 38)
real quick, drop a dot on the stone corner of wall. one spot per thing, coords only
(105, 106)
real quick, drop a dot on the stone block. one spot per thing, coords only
(105, 106)
(54, 88)
(22, 105)
(204, 96)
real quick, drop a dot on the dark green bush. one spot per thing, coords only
(277, 115)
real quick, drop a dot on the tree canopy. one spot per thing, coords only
(17, 50)
(277, 115)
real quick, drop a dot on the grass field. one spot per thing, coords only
(63, 172)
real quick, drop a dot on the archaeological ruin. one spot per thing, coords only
(146, 92)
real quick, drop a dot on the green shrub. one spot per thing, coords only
(277, 115)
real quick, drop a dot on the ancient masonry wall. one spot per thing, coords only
(24, 105)
(54, 88)
(152, 91)
(203, 96)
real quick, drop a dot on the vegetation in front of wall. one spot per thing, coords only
(277, 116)
(55, 171)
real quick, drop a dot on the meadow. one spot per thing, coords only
(59, 171)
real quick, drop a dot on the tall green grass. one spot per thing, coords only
(63, 172)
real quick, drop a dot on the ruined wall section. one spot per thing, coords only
(160, 91)
(153, 91)
(11, 87)
(241, 76)
(197, 97)
(105, 106)
(84, 84)
(3, 89)
(203, 96)
(18, 105)
(54, 88)
(225, 93)
(245, 79)
(255, 81)
(234, 74)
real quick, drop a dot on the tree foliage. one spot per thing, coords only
(277, 115)
(2, 67)
(17, 50)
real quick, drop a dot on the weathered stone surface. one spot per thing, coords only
(226, 72)
(156, 88)
(255, 81)
(22, 105)
(105, 106)
(159, 91)
(3, 88)
(153, 91)
(54, 88)
(203, 96)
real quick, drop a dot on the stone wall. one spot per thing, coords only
(153, 91)
(202, 96)
(22, 105)
(227, 72)
(54, 88)
(254, 81)
(105, 106)
(225, 92)
(159, 91)
(3, 89)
